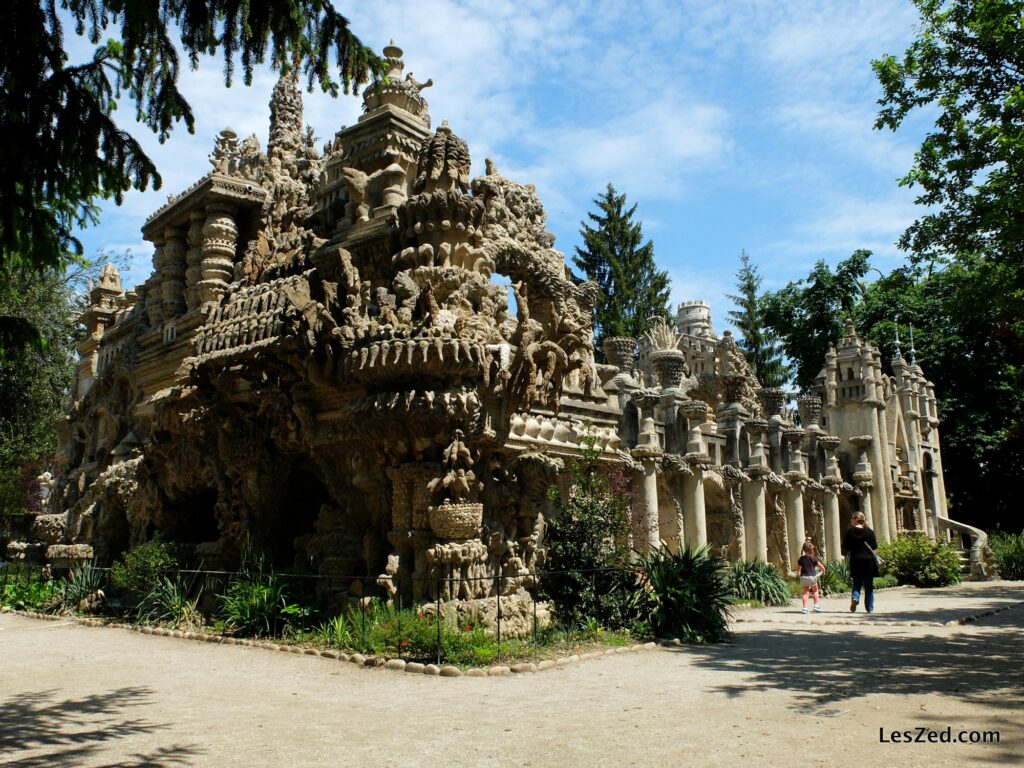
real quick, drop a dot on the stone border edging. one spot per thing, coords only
(369, 661)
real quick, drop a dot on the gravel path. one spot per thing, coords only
(790, 690)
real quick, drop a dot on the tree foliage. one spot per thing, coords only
(967, 63)
(35, 379)
(966, 66)
(807, 315)
(63, 151)
(615, 256)
(758, 342)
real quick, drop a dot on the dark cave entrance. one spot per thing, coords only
(191, 517)
(304, 494)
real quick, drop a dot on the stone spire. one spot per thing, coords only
(286, 126)
(912, 354)
(897, 355)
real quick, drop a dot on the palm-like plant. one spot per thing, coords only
(690, 594)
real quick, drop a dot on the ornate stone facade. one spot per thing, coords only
(324, 362)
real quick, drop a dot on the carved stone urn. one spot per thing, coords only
(773, 399)
(457, 520)
(809, 407)
(620, 351)
(669, 367)
(732, 384)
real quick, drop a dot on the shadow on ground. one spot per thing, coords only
(926, 605)
(39, 729)
(823, 669)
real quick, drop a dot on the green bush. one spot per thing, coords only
(887, 581)
(918, 560)
(140, 569)
(758, 580)
(169, 602)
(26, 590)
(588, 575)
(686, 594)
(1008, 553)
(259, 603)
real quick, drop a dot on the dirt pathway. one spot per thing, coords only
(791, 689)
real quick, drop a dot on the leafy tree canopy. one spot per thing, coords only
(758, 342)
(967, 63)
(615, 256)
(807, 315)
(35, 379)
(62, 149)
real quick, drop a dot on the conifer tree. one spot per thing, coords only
(615, 256)
(757, 341)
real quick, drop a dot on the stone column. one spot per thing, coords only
(152, 292)
(694, 516)
(649, 452)
(864, 478)
(194, 260)
(172, 271)
(793, 496)
(219, 237)
(879, 471)
(831, 481)
(755, 523)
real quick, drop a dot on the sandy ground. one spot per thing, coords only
(790, 690)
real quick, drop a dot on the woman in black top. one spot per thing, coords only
(859, 544)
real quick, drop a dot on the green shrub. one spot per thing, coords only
(758, 580)
(338, 632)
(588, 574)
(886, 581)
(918, 560)
(686, 594)
(27, 590)
(140, 569)
(83, 582)
(168, 602)
(1008, 553)
(259, 603)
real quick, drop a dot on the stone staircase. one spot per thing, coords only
(965, 562)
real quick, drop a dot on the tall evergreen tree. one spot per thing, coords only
(615, 256)
(758, 342)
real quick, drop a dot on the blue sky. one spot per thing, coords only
(739, 124)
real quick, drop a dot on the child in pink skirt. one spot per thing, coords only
(808, 570)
